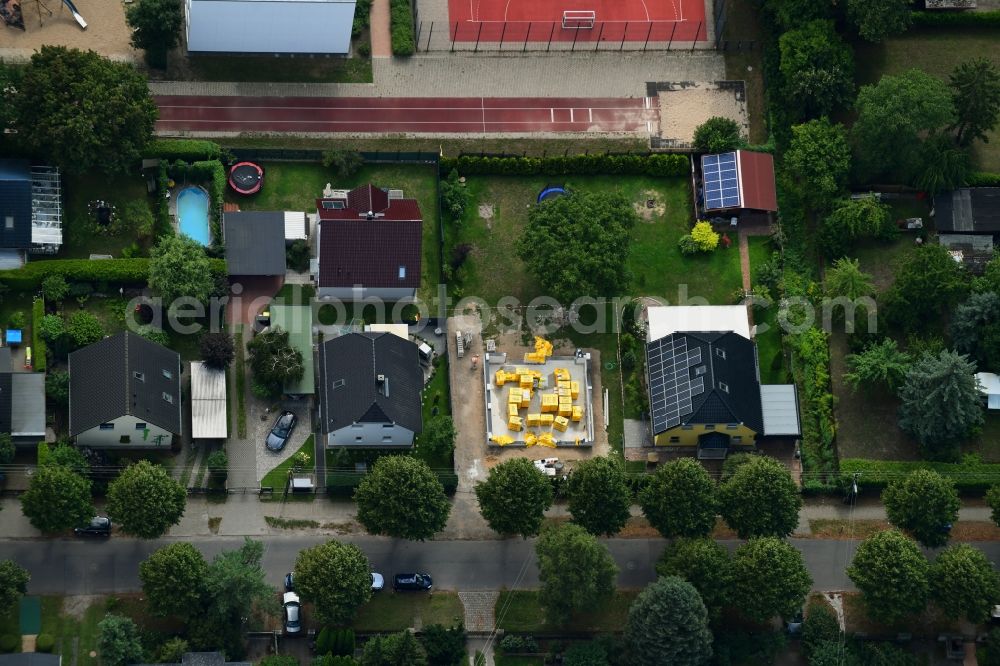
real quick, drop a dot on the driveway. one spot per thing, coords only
(248, 296)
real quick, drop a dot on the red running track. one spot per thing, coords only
(404, 114)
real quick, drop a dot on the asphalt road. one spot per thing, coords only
(74, 567)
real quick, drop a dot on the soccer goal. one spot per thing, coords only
(578, 19)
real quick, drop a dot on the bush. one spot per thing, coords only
(654, 164)
(401, 26)
(818, 424)
(512, 643)
(297, 255)
(449, 480)
(323, 641)
(111, 271)
(983, 179)
(705, 237)
(688, 245)
(343, 484)
(37, 344)
(189, 150)
(218, 464)
(345, 163)
(970, 475)
(365, 49)
(937, 19)
(45, 643)
(342, 642)
(362, 17)
(9, 642)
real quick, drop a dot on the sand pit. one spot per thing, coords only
(685, 106)
(106, 31)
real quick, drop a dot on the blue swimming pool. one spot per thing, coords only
(192, 214)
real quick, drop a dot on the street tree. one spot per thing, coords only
(576, 571)
(599, 498)
(706, 565)
(877, 19)
(927, 282)
(975, 86)
(892, 575)
(274, 361)
(769, 578)
(57, 499)
(668, 624)
(923, 503)
(83, 328)
(514, 497)
(881, 366)
(438, 436)
(760, 499)
(975, 329)
(145, 501)
(854, 219)
(118, 642)
(940, 403)
(573, 245)
(179, 268)
(964, 583)
(402, 649)
(401, 497)
(14, 581)
(173, 580)
(217, 350)
(893, 115)
(718, 135)
(82, 111)
(817, 70)
(156, 28)
(336, 578)
(679, 499)
(818, 162)
(67, 455)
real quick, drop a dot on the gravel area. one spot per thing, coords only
(107, 33)
(685, 107)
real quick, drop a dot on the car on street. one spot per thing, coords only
(412, 581)
(98, 526)
(281, 431)
(292, 610)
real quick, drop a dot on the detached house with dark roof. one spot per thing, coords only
(370, 391)
(125, 391)
(369, 245)
(704, 384)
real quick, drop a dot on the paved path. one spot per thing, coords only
(380, 33)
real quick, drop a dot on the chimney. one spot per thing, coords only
(371, 215)
(380, 379)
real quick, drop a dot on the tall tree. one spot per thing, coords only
(927, 282)
(401, 497)
(718, 135)
(679, 499)
(760, 499)
(217, 350)
(975, 329)
(83, 328)
(817, 69)
(880, 366)
(924, 503)
(769, 578)
(274, 361)
(599, 497)
(173, 580)
(156, 26)
(82, 111)
(576, 571)
(845, 279)
(975, 88)
(14, 581)
(940, 403)
(668, 624)
(877, 19)
(180, 268)
(854, 219)
(69, 456)
(892, 575)
(145, 501)
(964, 583)
(118, 642)
(892, 117)
(514, 497)
(944, 166)
(706, 565)
(818, 161)
(57, 499)
(573, 245)
(336, 578)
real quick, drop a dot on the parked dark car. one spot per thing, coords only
(281, 432)
(290, 581)
(412, 581)
(98, 526)
(292, 609)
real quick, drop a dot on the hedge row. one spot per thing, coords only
(937, 19)
(656, 164)
(969, 475)
(401, 25)
(113, 271)
(189, 150)
(342, 484)
(812, 350)
(983, 179)
(37, 342)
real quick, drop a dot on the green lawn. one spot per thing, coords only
(437, 396)
(769, 351)
(389, 611)
(936, 51)
(82, 236)
(277, 477)
(520, 612)
(296, 185)
(285, 69)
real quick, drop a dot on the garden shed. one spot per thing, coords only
(208, 402)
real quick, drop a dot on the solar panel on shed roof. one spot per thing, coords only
(721, 181)
(669, 380)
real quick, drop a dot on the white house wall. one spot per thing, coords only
(371, 434)
(268, 26)
(150, 437)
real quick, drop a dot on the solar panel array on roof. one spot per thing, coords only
(670, 382)
(721, 181)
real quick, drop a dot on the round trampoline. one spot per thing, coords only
(551, 192)
(246, 178)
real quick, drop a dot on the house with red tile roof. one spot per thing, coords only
(369, 244)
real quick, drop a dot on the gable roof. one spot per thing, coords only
(15, 202)
(704, 377)
(356, 250)
(350, 391)
(124, 374)
(255, 242)
(666, 319)
(969, 210)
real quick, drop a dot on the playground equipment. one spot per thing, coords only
(246, 178)
(76, 15)
(551, 192)
(13, 15)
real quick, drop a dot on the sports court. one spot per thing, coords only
(513, 21)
